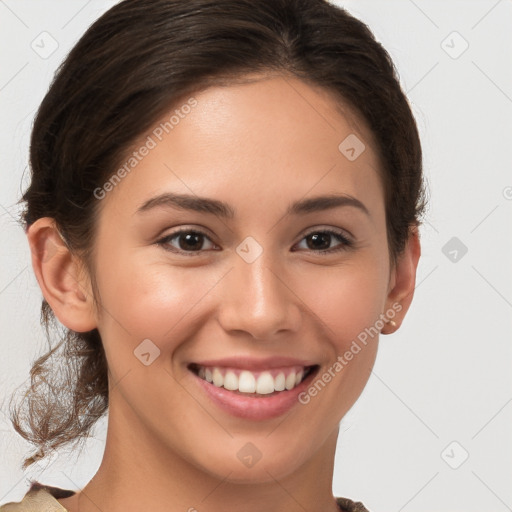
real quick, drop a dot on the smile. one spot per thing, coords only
(253, 382)
(253, 389)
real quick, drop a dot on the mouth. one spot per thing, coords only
(249, 383)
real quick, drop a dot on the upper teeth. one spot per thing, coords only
(246, 381)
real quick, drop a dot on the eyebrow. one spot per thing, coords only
(223, 210)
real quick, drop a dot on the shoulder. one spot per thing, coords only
(347, 505)
(43, 498)
(39, 498)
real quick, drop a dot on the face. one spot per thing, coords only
(215, 260)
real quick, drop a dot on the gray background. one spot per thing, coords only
(432, 430)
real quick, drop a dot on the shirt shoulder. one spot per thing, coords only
(347, 505)
(39, 498)
(43, 498)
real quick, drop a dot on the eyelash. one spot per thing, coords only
(345, 244)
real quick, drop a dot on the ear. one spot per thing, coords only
(61, 276)
(402, 282)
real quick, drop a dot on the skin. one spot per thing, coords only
(257, 146)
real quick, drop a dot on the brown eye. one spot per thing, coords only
(320, 241)
(190, 241)
(186, 241)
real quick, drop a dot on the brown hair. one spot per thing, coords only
(129, 68)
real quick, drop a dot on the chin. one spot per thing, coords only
(251, 465)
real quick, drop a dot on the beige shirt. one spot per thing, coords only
(43, 498)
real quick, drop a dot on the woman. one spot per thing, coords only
(223, 214)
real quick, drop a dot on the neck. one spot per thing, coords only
(137, 472)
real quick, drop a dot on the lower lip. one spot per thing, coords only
(254, 407)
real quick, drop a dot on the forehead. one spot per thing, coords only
(276, 135)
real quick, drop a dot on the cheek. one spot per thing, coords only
(347, 299)
(143, 300)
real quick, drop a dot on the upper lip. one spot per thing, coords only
(249, 363)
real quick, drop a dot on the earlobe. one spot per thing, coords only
(403, 283)
(60, 275)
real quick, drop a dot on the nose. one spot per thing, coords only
(258, 300)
